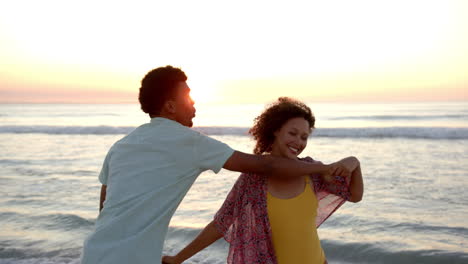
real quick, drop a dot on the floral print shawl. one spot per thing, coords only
(243, 218)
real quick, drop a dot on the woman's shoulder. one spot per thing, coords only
(315, 177)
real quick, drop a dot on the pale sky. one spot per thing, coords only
(236, 51)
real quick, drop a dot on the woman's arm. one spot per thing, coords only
(356, 186)
(338, 185)
(207, 237)
(351, 163)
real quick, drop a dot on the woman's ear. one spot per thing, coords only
(276, 133)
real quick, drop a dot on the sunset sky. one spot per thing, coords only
(237, 51)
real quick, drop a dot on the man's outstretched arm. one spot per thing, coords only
(280, 167)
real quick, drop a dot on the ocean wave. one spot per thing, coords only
(15, 162)
(425, 228)
(35, 252)
(393, 226)
(336, 251)
(365, 132)
(372, 252)
(67, 130)
(399, 117)
(56, 260)
(56, 221)
(427, 257)
(394, 132)
(66, 221)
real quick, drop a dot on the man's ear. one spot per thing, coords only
(170, 106)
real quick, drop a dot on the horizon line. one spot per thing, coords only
(250, 103)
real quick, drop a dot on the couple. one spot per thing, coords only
(147, 173)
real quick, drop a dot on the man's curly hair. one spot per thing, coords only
(274, 117)
(158, 86)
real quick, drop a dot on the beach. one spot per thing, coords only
(413, 158)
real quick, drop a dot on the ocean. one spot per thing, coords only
(414, 159)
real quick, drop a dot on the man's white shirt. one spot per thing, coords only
(147, 173)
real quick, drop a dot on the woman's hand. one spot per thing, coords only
(337, 169)
(207, 237)
(356, 185)
(351, 163)
(170, 260)
(344, 168)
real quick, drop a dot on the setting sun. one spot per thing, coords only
(202, 90)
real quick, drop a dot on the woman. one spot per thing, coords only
(275, 220)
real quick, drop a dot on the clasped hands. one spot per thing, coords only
(343, 168)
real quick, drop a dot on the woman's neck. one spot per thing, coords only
(278, 154)
(283, 180)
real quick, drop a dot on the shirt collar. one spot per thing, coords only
(158, 120)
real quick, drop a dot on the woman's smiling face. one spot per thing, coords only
(291, 138)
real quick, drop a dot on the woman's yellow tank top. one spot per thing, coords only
(294, 233)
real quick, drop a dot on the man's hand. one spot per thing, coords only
(170, 260)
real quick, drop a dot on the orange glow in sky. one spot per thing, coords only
(237, 52)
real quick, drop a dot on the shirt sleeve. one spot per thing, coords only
(211, 153)
(104, 174)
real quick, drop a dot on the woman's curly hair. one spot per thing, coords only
(274, 117)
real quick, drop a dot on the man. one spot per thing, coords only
(147, 173)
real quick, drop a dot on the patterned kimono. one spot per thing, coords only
(243, 218)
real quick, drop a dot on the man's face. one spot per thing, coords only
(184, 105)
